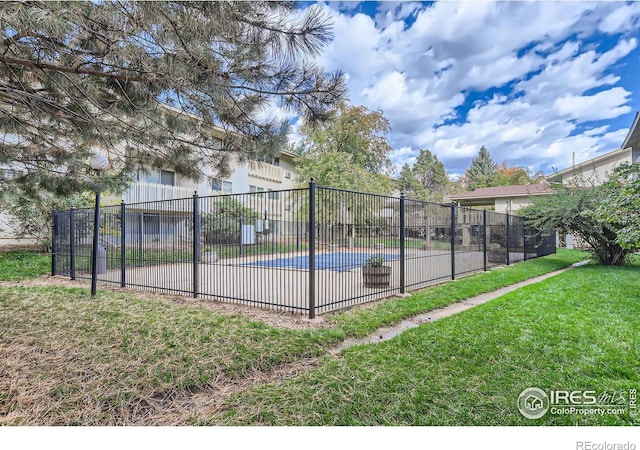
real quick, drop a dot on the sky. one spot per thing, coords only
(539, 84)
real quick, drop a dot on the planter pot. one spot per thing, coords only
(210, 257)
(497, 257)
(376, 277)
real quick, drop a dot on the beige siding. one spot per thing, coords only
(512, 204)
(595, 173)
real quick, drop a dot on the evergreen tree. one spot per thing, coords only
(482, 171)
(146, 82)
(409, 184)
(431, 175)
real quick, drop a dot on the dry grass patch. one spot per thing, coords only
(118, 360)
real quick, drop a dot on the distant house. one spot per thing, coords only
(504, 199)
(597, 170)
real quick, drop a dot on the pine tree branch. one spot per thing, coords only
(78, 70)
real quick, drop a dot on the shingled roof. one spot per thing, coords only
(523, 190)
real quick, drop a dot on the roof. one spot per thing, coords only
(633, 137)
(523, 190)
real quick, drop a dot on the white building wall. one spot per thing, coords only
(240, 180)
(596, 174)
(511, 204)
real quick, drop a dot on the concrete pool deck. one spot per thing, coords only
(241, 281)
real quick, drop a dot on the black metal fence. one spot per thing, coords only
(307, 251)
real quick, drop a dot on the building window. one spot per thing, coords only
(221, 186)
(151, 223)
(256, 189)
(167, 178)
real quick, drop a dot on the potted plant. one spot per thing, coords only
(374, 273)
(210, 255)
(495, 253)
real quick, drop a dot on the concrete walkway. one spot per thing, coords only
(384, 334)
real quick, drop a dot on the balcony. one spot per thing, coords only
(141, 191)
(265, 171)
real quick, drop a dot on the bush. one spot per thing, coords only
(222, 226)
(572, 210)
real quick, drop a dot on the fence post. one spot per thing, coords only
(96, 244)
(402, 244)
(508, 237)
(312, 249)
(453, 241)
(484, 240)
(123, 244)
(54, 249)
(524, 240)
(72, 242)
(196, 244)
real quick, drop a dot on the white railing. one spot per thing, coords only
(150, 192)
(265, 171)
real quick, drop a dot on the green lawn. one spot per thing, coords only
(577, 331)
(20, 265)
(363, 321)
(118, 359)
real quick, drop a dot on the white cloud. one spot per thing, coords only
(544, 62)
(625, 18)
(603, 105)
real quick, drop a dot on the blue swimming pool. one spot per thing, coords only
(337, 261)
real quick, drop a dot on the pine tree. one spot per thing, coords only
(147, 82)
(409, 184)
(431, 175)
(482, 171)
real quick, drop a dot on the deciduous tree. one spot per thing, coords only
(430, 173)
(515, 176)
(409, 183)
(349, 150)
(621, 205)
(572, 209)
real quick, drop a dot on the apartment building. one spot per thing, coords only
(150, 213)
(267, 176)
(272, 174)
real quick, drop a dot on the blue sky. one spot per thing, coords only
(538, 83)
